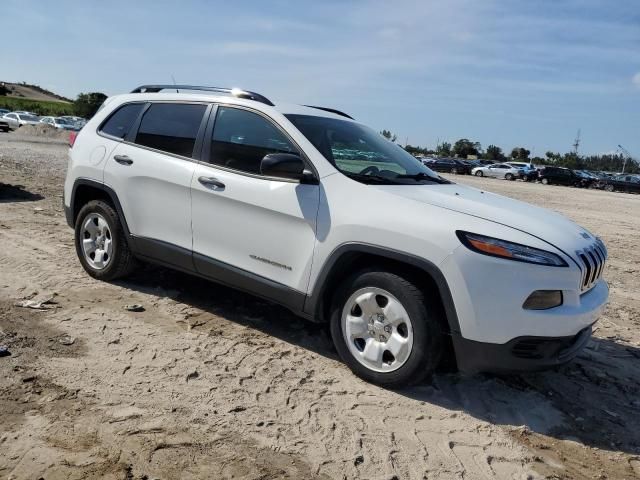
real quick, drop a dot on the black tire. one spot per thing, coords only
(609, 188)
(122, 260)
(508, 176)
(479, 173)
(545, 181)
(428, 339)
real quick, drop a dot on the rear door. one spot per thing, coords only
(151, 174)
(261, 228)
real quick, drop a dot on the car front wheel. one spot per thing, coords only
(385, 329)
(508, 176)
(479, 173)
(545, 181)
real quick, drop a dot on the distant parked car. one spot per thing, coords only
(22, 112)
(586, 179)
(4, 124)
(17, 120)
(559, 176)
(498, 170)
(449, 165)
(623, 183)
(59, 123)
(79, 122)
(4, 111)
(528, 172)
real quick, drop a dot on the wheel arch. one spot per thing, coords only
(84, 190)
(352, 257)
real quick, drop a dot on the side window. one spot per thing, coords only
(241, 138)
(121, 120)
(171, 127)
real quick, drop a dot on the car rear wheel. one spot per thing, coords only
(508, 176)
(385, 329)
(609, 188)
(479, 173)
(454, 170)
(545, 181)
(100, 241)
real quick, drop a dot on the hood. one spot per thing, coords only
(547, 225)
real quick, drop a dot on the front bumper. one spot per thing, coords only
(520, 354)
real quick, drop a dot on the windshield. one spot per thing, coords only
(362, 154)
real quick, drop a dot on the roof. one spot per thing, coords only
(230, 95)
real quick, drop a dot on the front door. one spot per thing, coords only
(251, 229)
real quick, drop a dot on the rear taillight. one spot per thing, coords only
(72, 138)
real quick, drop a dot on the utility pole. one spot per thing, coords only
(576, 143)
(626, 154)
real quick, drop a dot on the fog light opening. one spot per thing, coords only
(543, 300)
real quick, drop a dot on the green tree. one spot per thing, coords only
(443, 149)
(552, 157)
(87, 104)
(494, 153)
(392, 137)
(464, 147)
(3, 90)
(520, 153)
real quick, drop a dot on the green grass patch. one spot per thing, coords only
(41, 107)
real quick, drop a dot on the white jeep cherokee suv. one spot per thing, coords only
(310, 209)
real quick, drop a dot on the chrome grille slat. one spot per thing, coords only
(601, 259)
(592, 262)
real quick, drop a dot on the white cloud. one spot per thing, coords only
(636, 79)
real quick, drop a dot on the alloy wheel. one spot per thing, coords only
(97, 242)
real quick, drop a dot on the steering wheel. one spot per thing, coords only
(370, 169)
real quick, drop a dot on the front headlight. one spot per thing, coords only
(512, 251)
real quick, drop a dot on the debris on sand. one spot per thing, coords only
(134, 308)
(66, 340)
(4, 351)
(46, 303)
(193, 375)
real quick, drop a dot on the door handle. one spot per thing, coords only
(122, 159)
(211, 182)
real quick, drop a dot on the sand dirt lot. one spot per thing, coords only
(212, 383)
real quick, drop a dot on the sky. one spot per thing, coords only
(504, 72)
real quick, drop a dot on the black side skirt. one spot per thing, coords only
(179, 258)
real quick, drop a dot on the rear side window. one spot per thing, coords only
(120, 122)
(171, 127)
(241, 138)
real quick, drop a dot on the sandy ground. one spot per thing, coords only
(211, 383)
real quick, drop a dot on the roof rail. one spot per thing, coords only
(331, 110)
(236, 92)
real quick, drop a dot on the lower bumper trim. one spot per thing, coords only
(520, 354)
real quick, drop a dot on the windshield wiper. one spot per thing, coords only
(371, 178)
(424, 176)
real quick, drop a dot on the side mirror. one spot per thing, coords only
(286, 165)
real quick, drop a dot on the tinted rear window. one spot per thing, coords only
(120, 122)
(171, 127)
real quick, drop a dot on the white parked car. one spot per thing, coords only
(498, 170)
(59, 123)
(17, 120)
(308, 208)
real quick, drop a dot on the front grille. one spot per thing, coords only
(592, 261)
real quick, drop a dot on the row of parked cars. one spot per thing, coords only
(13, 120)
(547, 175)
